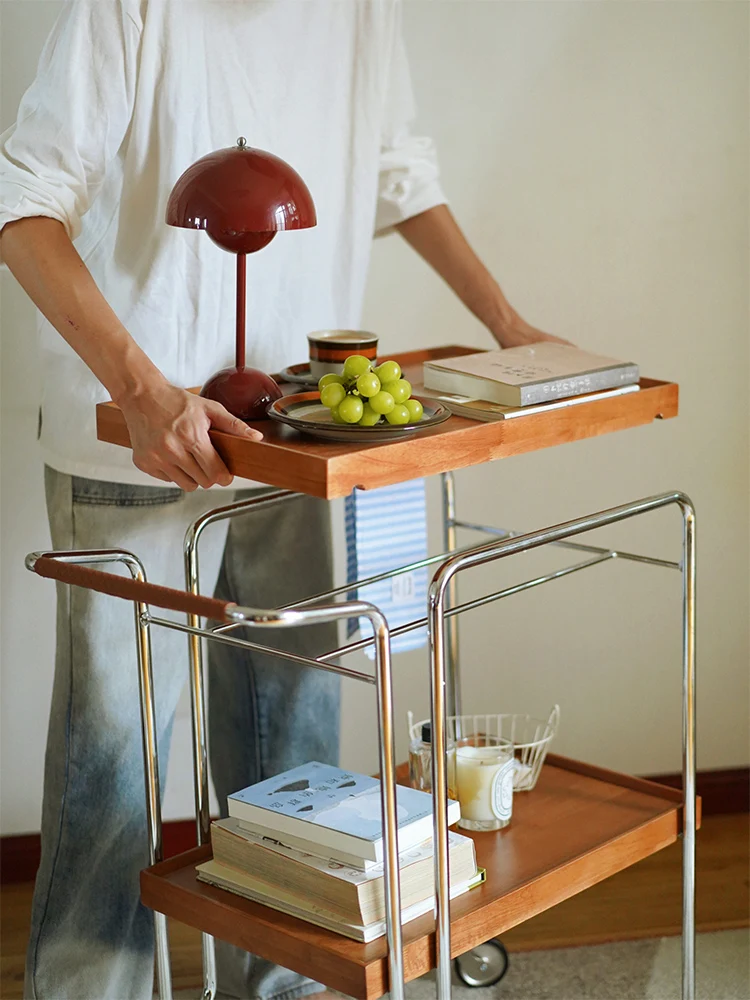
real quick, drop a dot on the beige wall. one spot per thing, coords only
(597, 155)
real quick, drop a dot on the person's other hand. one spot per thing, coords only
(516, 332)
(168, 430)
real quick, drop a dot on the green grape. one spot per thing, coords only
(336, 416)
(330, 379)
(398, 415)
(368, 384)
(356, 365)
(415, 409)
(400, 390)
(389, 371)
(369, 417)
(351, 409)
(332, 394)
(382, 402)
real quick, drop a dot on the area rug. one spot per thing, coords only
(628, 970)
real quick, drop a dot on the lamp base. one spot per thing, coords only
(245, 392)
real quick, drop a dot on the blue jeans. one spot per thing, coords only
(91, 938)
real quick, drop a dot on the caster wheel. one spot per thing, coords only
(484, 965)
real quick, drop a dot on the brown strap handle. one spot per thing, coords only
(131, 590)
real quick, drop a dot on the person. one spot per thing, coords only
(128, 94)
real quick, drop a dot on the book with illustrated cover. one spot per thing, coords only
(484, 410)
(356, 893)
(524, 376)
(306, 908)
(334, 810)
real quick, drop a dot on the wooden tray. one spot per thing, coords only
(289, 460)
(578, 826)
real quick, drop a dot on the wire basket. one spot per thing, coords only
(530, 738)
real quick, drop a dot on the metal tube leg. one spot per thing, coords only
(392, 881)
(440, 791)
(197, 692)
(200, 757)
(197, 704)
(688, 751)
(450, 544)
(153, 799)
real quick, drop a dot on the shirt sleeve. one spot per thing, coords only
(72, 120)
(409, 177)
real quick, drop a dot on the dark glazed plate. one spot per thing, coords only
(306, 413)
(299, 374)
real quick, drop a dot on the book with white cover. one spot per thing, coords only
(485, 411)
(355, 892)
(244, 885)
(335, 809)
(523, 376)
(307, 846)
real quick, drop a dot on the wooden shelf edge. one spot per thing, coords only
(361, 970)
(329, 471)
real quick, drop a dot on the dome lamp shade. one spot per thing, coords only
(241, 197)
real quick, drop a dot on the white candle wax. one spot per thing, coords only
(484, 776)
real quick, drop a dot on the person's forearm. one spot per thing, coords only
(41, 256)
(437, 238)
(168, 426)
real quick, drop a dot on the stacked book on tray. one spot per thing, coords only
(502, 384)
(309, 843)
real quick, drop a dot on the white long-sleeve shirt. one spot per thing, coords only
(130, 93)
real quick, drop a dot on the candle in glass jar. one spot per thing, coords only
(484, 778)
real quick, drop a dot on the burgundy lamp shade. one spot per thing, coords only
(242, 197)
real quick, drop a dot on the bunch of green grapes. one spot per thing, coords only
(365, 395)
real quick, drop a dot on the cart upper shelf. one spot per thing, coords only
(292, 461)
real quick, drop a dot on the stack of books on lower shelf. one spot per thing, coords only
(309, 843)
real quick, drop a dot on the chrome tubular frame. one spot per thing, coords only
(439, 599)
(148, 731)
(197, 691)
(445, 696)
(442, 619)
(688, 744)
(296, 615)
(453, 681)
(264, 618)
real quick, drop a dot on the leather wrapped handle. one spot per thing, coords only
(130, 589)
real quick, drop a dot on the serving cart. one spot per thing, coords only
(581, 824)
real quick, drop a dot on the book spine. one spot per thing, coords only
(577, 385)
(327, 838)
(308, 846)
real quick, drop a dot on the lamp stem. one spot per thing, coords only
(240, 348)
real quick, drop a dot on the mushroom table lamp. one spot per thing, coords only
(242, 197)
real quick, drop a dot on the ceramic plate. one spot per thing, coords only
(307, 414)
(299, 374)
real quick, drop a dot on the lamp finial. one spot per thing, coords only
(242, 142)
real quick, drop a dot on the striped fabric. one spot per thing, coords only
(387, 528)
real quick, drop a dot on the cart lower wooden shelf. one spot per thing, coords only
(579, 825)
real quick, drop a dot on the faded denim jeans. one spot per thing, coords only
(91, 938)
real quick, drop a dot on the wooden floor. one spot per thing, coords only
(643, 901)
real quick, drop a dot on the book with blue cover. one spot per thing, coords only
(334, 809)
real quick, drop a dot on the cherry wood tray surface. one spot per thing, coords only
(579, 825)
(292, 461)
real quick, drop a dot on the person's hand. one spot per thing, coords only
(168, 430)
(516, 332)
